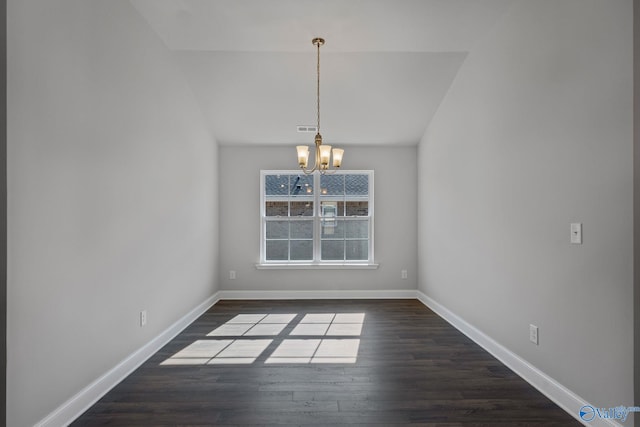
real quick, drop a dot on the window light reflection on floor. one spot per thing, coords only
(320, 345)
(210, 352)
(316, 351)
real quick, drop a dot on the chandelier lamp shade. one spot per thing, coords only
(322, 152)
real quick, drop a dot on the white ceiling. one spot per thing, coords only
(385, 67)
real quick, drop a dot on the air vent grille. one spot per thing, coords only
(307, 129)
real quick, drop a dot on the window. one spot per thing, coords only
(316, 219)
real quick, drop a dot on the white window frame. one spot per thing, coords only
(317, 226)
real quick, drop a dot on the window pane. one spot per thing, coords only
(302, 208)
(302, 250)
(333, 229)
(301, 185)
(277, 229)
(357, 229)
(277, 208)
(277, 250)
(357, 250)
(332, 250)
(329, 209)
(357, 208)
(356, 185)
(276, 185)
(316, 217)
(332, 185)
(301, 229)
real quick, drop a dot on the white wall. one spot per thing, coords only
(395, 220)
(536, 133)
(111, 196)
(636, 201)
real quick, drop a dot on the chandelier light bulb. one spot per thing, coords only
(303, 155)
(325, 155)
(337, 157)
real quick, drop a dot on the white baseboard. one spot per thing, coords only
(85, 398)
(323, 294)
(555, 391)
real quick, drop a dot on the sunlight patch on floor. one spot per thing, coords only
(316, 351)
(229, 343)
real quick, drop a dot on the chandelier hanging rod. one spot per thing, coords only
(322, 152)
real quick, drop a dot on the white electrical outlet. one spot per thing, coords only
(576, 233)
(403, 274)
(232, 274)
(143, 318)
(533, 334)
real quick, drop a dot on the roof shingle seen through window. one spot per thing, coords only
(331, 185)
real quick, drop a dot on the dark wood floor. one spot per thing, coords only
(412, 368)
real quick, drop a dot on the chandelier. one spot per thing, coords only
(323, 152)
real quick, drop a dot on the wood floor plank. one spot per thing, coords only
(411, 368)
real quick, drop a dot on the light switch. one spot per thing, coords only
(576, 233)
(533, 334)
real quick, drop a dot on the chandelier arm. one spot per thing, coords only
(308, 171)
(315, 165)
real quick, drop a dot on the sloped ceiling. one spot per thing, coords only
(385, 67)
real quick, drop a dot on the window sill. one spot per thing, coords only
(324, 266)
